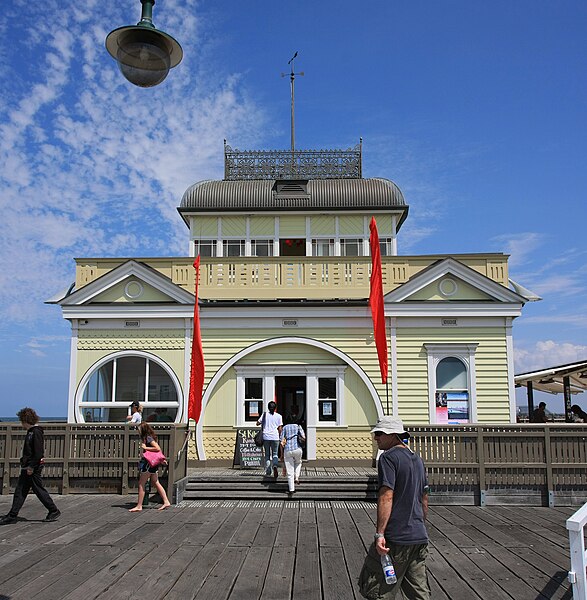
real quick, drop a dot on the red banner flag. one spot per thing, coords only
(197, 366)
(376, 300)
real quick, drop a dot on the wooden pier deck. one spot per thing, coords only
(269, 550)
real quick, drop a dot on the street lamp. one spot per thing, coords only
(143, 53)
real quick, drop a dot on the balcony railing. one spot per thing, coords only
(316, 278)
(288, 164)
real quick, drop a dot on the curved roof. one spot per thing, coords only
(313, 194)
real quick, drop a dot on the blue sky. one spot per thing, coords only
(476, 110)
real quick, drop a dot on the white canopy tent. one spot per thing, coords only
(566, 379)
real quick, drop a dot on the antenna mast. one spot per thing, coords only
(292, 77)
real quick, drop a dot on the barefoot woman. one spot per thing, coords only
(146, 471)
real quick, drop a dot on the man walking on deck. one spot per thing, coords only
(31, 466)
(402, 506)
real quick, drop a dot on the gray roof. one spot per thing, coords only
(313, 194)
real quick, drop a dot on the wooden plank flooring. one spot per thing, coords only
(269, 550)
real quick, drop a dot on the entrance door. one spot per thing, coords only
(290, 394)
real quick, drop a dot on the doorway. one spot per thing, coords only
(290, 395)
(292, 247)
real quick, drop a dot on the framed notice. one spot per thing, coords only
(327, 410)
(252, 410)
(246, 453)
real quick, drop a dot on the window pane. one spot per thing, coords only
(385, 246)
(327, 387)
(322, 247)
(262, 248)
(254, 388)
(130, 379)
(451, 374)
(205, 248)
(351, 247)
(161, 388)
(99, 387)
(234, 247)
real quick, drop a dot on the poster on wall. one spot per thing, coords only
(452, 408)
(441, 408)
(458, 407)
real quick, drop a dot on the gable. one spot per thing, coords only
(131, 282)
(449, 280)
(450, 288)
(132, 290)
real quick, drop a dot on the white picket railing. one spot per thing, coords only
(578, 573)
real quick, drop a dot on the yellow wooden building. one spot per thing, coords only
(284, 287)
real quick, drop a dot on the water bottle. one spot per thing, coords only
(388, 569)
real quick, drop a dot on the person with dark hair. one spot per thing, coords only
(31, 466)
(146, 471)
(579, 415)
(292, 452)
(539, 414)
(272, 424)
(136, 413)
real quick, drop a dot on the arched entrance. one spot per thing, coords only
(318, 408)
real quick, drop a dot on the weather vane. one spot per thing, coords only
(292, 78)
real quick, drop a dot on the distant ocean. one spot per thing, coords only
(45, 419)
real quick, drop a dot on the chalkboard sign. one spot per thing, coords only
(246, 454)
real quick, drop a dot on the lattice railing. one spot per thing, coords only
(286, 164)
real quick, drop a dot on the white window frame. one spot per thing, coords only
(312, 373)
(81, 406)
(270, 243)
(213, 243)
(360, 245)
(242, 246)
(331, 241)
(466, 354)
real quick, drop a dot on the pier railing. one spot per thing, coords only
(495, 464)
(92, 458)
(466, 464)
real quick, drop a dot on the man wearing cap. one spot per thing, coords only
(135, 417)
(402, 506)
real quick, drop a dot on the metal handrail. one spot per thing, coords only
(577, 575)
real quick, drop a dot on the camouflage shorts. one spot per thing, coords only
(410, 569)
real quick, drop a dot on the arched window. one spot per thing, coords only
(452, 382)
(109, 389)
(452, 391)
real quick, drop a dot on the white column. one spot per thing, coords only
(182, 416)
(71, 406)
(394, 235)
(510, 362)
(394, 393)
(219, 248)
(312, 415)
(248, 248)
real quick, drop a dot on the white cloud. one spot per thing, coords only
(92, 166)
(547, 353)
(520, 246)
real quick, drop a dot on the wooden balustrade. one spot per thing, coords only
(92, 458)
(482, 464)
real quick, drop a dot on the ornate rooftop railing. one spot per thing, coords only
(285, 164)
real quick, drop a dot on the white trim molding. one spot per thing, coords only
(466, 354)
(78, 403)
(511, 371)
(311, 368)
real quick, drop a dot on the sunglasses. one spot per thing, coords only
(378, 433)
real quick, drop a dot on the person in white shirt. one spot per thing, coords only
(272, 425)
(135, 417)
